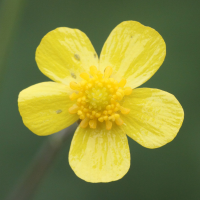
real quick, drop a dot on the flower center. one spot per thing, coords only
(98, 98)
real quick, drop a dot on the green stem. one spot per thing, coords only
(40, 164)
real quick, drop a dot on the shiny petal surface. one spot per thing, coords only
(134, 51)
(44, 108)
(64, 53)
(99, 155)
(155, 117)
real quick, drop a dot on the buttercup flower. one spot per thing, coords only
(101, 93)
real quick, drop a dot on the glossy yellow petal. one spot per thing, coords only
(64, 53)
(99, 155)
(134, 51)
(155, 117)
(44, 107)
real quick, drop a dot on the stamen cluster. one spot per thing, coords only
(98, 98)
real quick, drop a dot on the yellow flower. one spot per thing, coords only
(101, 92)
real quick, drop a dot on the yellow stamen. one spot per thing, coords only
(122, 83)
(105, 112)
(73, 109)
(108, 125)
(93, 70)
(85, 76)
(105, 118)
(110, 112)
(79, 112)
(108, 72)
(74, 96)
(119, 121)
(93, 123)
(74, 86)
(124, 110)
(116, 116)
(83, 83)
(97, 115)
(128, 91)
(84, 123)
(98, 98)
(108, 107)
(99, 74)
(100, 119)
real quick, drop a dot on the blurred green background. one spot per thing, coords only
(171, 172)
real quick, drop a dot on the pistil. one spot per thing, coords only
(98, 98)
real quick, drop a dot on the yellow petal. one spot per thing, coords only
(99, 155)
(155, 117)
(64, 53)
(44, 108)
(134, 51)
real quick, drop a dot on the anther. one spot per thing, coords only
(108, 125)
(91, 117)
(124, 110)
(93, 70)
(105, 118)
(97, 115)
(85, 76)
(127, 90)
(108, 107)
(111, 90)
(100, 84)
(99, 74)
(73, 109)
(100, 119)
(74, 86)
(89, 85)
(82, 116)
(105, 112)
(122, 83)
(97, 98)
(85, 110)
(116, 109)
(119, 121)
(74, 96)
(110, 112)
(93, 123)
(84, 123)
(79, 100)
(116, 116)
(108, 72)
(112, 100)
(83, 83)
(79, 112)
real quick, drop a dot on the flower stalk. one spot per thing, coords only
(28, 184)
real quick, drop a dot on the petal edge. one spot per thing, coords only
(134, 51)
(44, 108)
(64, 53)
(155, 117)
(99, 155)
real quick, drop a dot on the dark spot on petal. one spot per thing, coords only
(73, 75)
(131, 36)
(95, 55)
(58, 111)
(77, 57)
